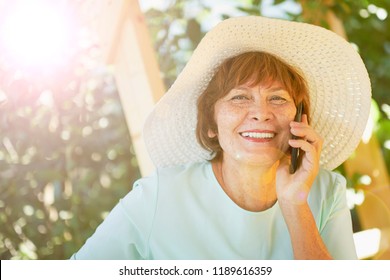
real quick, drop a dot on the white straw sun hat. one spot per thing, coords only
(339, 87)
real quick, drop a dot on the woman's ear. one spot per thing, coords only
(211, 133)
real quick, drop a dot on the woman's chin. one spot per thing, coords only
(266, 159)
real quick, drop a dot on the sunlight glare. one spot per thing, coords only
(36, 33)
(367, 133)
(367, 242)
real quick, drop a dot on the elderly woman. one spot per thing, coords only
(221, 139)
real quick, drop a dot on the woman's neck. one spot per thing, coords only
(251, 187)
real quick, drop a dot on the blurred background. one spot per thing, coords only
(78, 78)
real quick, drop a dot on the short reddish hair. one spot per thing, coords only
(253, 67)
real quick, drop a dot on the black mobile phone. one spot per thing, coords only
(295, 151)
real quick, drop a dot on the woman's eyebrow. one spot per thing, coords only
(274, 89)
(270, 89)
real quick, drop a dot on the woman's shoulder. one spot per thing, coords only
(165, 178)
(328, 185)
(177, 170)
(330, 179)
(187, 173)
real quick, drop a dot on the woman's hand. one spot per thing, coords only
(293, 189)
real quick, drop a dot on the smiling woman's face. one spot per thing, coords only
(249, 95)
(253, 123)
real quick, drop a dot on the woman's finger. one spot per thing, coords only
(306, 132)
(312, 153)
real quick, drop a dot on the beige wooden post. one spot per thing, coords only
(127, 47)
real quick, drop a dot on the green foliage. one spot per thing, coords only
(367, 27)
(175, 35)
(382, 132)
(65, 158)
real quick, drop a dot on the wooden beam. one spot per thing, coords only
(126, 45)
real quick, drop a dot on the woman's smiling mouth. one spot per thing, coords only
(258, 136)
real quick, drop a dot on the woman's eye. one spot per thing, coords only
(278, 99)
(240, 97)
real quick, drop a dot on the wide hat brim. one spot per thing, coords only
(338, 82)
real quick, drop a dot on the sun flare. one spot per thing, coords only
(36, 33)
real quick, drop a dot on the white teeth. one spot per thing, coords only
(258, 134)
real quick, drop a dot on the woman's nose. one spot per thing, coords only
(260, 111)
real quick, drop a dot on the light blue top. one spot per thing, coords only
(183, 213)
